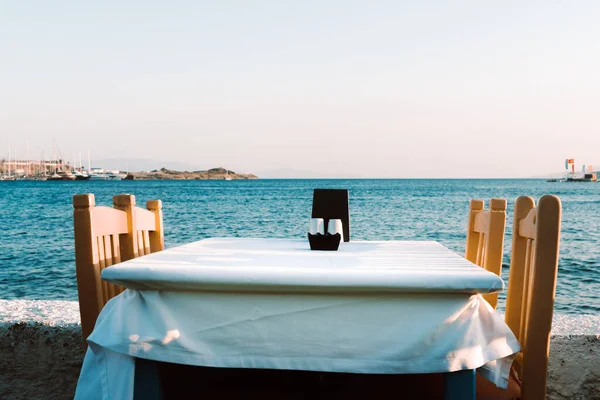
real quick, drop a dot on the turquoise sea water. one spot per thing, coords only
(36, 229)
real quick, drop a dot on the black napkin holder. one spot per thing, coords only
(332, 204)
(324, 242)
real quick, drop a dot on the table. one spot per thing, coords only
(388, 307)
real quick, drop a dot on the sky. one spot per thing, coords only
(385, 89)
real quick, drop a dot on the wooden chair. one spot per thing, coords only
(530, 297)
(485, 238)
(332, 204)
(105, 236)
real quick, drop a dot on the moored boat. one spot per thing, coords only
(67, 176)
(80, 176)
(115, 175)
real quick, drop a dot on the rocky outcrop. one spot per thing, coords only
(211, 174)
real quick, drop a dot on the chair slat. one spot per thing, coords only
(102, 265)
(480, 248)
(116, 258)
(140, 241)
(108, 257)
(146, 242)
(110, 290)
(526, 291)
(116, 249)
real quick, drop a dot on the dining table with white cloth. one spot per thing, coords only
(371, 307)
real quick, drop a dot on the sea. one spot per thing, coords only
(36, 222)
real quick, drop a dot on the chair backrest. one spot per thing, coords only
(531, 288)
(105, 236)
(332, 204)
(485, 238)
(146, 225)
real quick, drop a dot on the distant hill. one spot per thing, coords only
(169, 174)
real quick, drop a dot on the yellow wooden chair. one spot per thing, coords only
(485, 238)
(530, 297)
(105, 236)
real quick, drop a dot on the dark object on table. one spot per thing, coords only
(324, 242)
(332, 204)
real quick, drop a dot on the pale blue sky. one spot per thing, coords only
(354, 88)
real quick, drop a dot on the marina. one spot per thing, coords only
(55, 169)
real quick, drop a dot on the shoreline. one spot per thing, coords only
(41, 352)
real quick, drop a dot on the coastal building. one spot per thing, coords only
(587, 173)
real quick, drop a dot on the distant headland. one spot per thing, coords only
(210, 174)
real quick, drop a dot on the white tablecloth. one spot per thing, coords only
(376, 327)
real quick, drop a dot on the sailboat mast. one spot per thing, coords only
(27, 156)
(15, 162)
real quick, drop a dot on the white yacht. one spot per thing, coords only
(80, 175)
(98, 174)
(116, 175)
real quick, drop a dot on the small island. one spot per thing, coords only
(169, 174)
